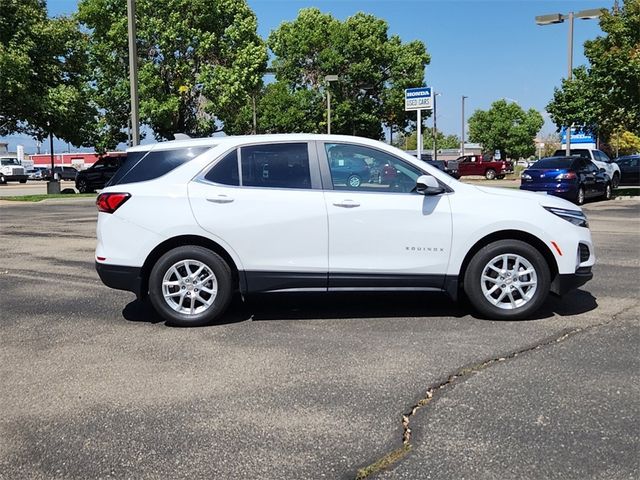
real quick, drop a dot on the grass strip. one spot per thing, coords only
(44, 196)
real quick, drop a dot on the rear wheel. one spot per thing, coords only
(490, 174)
(507, 280)
(607, 192)
(500, 177)
(190, 286)
(580, 196)
(354, 181)
(23, 181)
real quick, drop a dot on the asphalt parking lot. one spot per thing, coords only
(94, 385)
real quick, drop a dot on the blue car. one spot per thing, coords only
(572, 178)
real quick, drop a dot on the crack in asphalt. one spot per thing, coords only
(460, 375)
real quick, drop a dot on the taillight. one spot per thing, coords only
(566, 176)
(110, 202)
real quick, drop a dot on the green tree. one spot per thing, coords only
(200, 64)
(605, 96)
(43, 80)
(373, 69)
(506, 127)
(443, 141)
(624, 143)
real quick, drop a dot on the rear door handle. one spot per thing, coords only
(220, 199)
(347, 204)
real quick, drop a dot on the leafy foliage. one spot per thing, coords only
(200, 63)
(443, 141)
(624, 143)
(506, 127)
(43, 81)
(605, 96)
(373, 69)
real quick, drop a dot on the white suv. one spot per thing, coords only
(190, 222)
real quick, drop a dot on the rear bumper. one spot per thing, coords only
(566, 282)
(568, 192)
(121, 277)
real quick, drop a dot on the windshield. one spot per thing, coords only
(9, 161)
(554, 162)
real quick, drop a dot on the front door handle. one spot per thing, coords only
(220, 199)
(347, 204)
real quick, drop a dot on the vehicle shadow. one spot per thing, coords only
(356, 305)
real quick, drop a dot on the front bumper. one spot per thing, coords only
(121, 277)
(566, 282)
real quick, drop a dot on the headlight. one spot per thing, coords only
(573, 216)
(526, 176)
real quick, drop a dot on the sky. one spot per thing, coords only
(483, 49)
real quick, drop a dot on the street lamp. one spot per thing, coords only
(560, 18)
(435, 129)
(462, 138)
(133, 71)
(329, 79)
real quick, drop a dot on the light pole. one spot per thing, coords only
(560, 18)
(133, 71)
(329, 79)
(435, 128)
(462, 138)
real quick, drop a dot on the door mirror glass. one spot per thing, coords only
(602, 170)
(428, 185)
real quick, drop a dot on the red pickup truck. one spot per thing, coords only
(483, 165)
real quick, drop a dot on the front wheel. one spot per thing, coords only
(490, 174)
(615, 181)
(500, 177)
(23, 181)
(507, 280)
(190, 286)
(607, 192)
(83, 186)
(580, 196)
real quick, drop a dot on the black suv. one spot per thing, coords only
(97, 175)
(63, 173)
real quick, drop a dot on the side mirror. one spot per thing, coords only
(602, 170)
(427, 185)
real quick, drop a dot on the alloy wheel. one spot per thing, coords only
(509, 281)
(189, 287)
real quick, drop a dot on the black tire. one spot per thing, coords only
(23, 181)
(214, 263)
(580, 196)
(2, 180)
(354, 181)
(615, 181)
(83, 187)
(490, 174)
(607, 192)
(473, 281)
(500, 177)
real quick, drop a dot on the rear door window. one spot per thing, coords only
(225, 171)
(276, 165)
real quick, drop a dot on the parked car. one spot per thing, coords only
(629, 169)
(98, 175)
(351, 170)
(483, 165)
(445, 167)
(37, 173)
(598, 157)
(573, 178)
(194, 221)
(62, 173)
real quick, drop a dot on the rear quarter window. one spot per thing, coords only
(143, 166)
